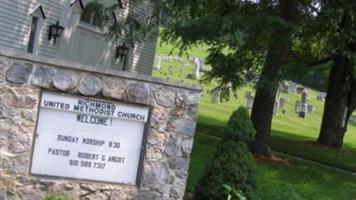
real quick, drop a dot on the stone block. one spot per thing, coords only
(187, 145)
(154, 153)
(90, 85)
(165, 97)
(43, 76)
(29, 193)
(19, 73)
(115, 89)
(66, 80)
(182, 126)
(156, 175)
(156, 138)
(173, 147)
(139, 93)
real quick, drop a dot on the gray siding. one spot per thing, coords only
(15, 22)
(143, 54)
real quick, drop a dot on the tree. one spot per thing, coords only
(246, 39)
(125, 24)
(340, 101)
(328, 37)
(267, 86)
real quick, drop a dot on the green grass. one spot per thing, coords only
(290, 133)
(298, 180)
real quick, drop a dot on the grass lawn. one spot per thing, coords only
(290, 134)
(299, 180)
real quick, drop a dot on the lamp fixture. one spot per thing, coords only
(121, 52)
(119, 2)
(55, 31)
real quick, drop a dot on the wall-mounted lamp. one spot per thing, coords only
(119, 2)
(55, 31)
(121, 52)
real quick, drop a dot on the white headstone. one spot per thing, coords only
(248, 94)
(276, 107)
(321, 96)
(215, 96)
(298, 106)
(197, 68)
(292, 86)
(282, 102)
(249, 102)
(157, 64)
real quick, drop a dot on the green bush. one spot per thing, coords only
(232, 164)
(239, 127)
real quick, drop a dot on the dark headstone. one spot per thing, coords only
(301, 114)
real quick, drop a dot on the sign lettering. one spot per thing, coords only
(89, 139)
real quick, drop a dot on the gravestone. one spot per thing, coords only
(298, 106)
(292, 87)
(311, 108)
(300, 89)
(285, 87)
(276, 107)
(157, 63)
(304, 103)
(321, 96)
(197, 68)
(282, 102)
(304, 97)
(248, 94)
(302, 114)
(249, 102)
(282, 105)
(215, 96)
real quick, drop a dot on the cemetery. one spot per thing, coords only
(290, 134)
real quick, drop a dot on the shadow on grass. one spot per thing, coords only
(210, 126)
(294, 144)
(307, 147)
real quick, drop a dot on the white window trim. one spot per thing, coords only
(38, 31)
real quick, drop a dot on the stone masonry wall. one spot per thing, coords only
(169, 142)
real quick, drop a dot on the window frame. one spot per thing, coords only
(37, 16)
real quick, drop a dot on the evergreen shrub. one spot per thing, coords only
(232, 164)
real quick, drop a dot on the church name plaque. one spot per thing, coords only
(88, 139)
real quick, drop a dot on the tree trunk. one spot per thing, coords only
(267, 86)
(352, 99)
(334, 122)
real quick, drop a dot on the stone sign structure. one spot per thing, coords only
(166, 141)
